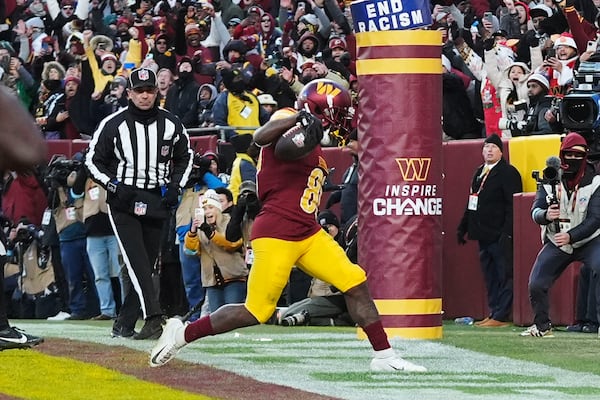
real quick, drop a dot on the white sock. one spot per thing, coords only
(180, 336)
(387, 353)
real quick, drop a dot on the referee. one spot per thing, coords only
(142, 156)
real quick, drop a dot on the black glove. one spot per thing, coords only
(488, 44)
(312, 126)
(252, 206)
(241, 202)
(345, 59)
(171, 197)
(532, 39)
(460, 237)
(119, 194)
(208, 230)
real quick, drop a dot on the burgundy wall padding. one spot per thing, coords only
(202, 144)
(400, 120)
(68, 147)
(58, 147)
(79, 146)
(463, 288)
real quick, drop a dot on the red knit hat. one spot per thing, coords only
(72, 78)
(526, 7)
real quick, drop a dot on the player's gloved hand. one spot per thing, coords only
(312, 126)
(171, 197)
(208, 230)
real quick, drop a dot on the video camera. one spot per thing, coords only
(59, 169)
(580, 109)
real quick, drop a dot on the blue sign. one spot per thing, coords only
(390, 15)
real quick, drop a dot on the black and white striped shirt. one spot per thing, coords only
(144, 155)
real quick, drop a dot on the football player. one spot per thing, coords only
(286, 233)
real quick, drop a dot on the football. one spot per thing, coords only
(294, 144)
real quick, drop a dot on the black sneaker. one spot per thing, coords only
(300, 318)
(119, 331)
(14, 338)
(152, 328)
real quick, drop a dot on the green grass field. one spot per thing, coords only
(468, 363)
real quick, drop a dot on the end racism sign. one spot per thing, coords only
(390, 15)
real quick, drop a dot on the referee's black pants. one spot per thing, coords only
(139, 240)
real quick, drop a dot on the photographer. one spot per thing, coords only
(67, 210)
(541, 116)
(101, 244)
(568, 211)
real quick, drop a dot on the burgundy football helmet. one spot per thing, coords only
(331, 103)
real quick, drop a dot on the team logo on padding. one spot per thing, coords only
(414, 169)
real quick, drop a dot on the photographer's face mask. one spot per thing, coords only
(573, 160)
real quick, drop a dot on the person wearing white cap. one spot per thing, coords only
(267, 102)
(560, 68)
(541, 115)
(224, 272)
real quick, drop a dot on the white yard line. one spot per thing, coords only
(336, 364)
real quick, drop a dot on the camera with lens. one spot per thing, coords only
(275, 60)
(520, 105)
(512, 124)
(549, 176)
(59, 169)
(201, 165)
(28, 233)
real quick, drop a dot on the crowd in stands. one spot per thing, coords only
(231, 63)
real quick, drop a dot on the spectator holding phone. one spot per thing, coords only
(559, 67)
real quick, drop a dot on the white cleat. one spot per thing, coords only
(169, 343)
(388, 361)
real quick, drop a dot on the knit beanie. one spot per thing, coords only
(494, 139)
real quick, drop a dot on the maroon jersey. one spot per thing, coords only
(290, 192)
